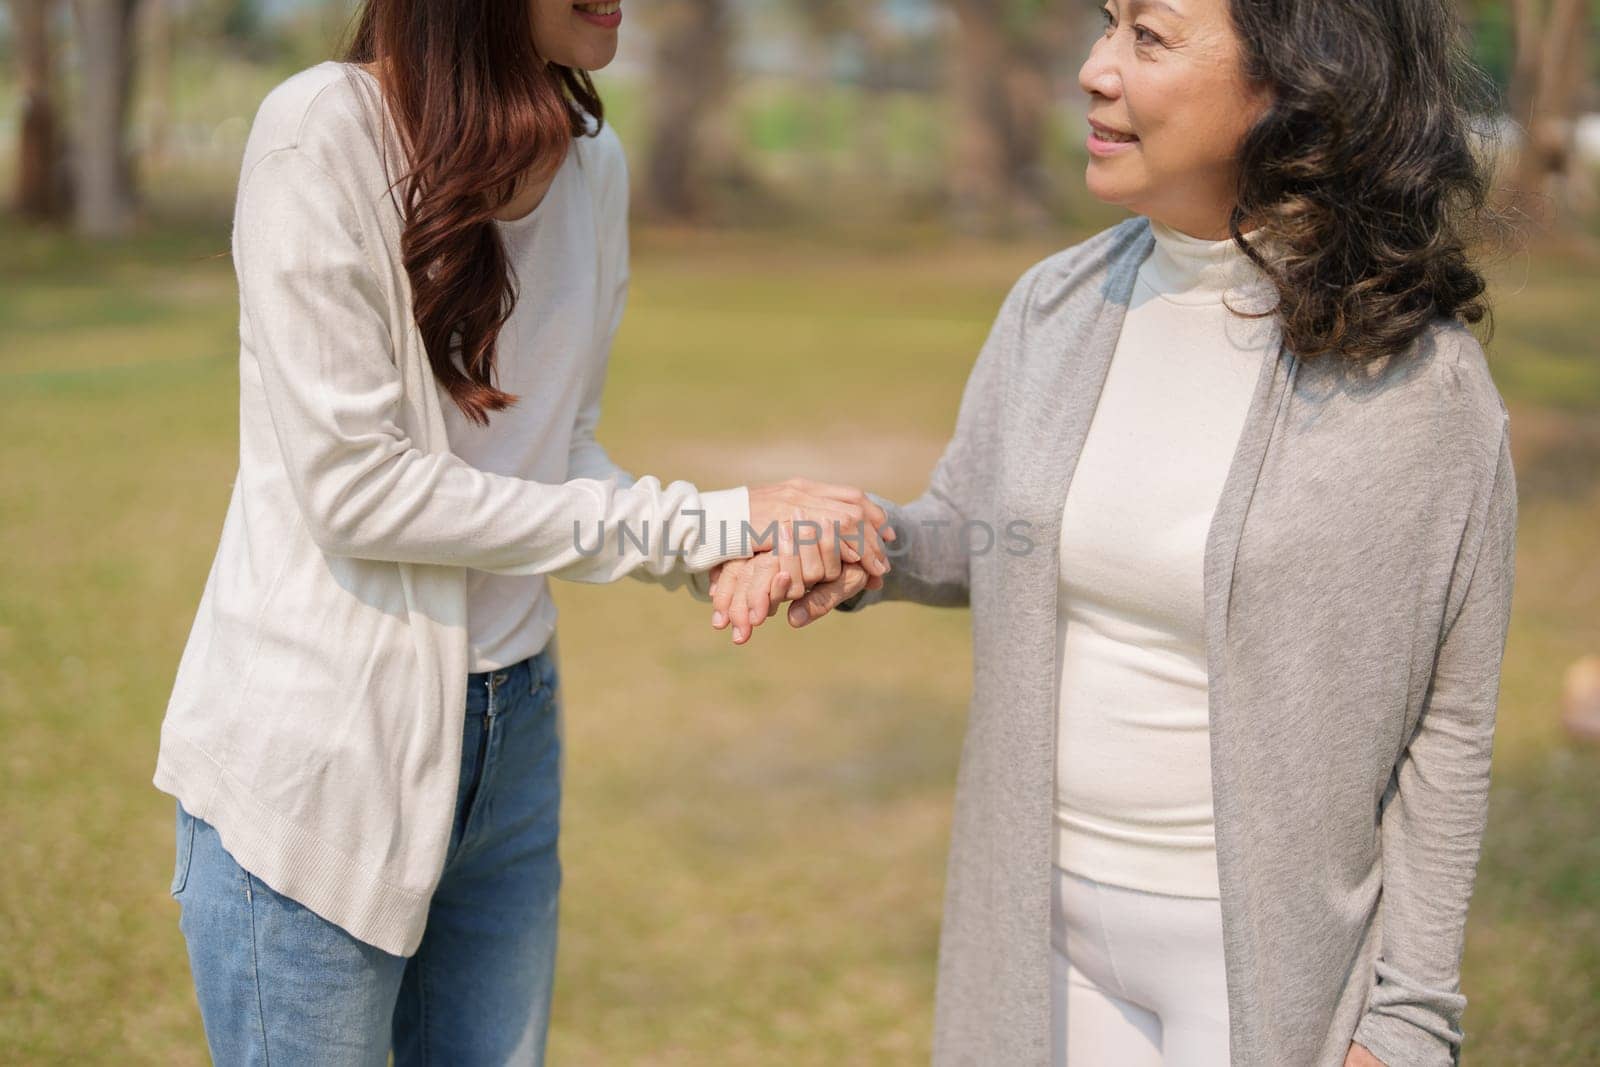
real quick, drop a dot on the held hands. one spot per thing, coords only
(827, 549)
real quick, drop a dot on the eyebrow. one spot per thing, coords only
(1136, 6)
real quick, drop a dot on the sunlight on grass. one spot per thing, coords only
(754, 839)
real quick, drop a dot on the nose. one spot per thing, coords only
(1098, 75)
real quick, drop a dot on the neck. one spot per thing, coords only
(1188, 268)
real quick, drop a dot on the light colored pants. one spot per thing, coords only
(1137, 978)
(280, 985)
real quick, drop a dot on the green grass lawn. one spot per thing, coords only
(754, 838)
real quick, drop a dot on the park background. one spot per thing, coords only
(830, 198)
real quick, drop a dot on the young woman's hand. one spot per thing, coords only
(845, 526)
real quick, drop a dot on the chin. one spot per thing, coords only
(1106, 188)
(596, 58)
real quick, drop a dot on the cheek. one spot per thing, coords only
(1197, 125)
(552, 29)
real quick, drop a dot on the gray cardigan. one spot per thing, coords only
(1358, 577)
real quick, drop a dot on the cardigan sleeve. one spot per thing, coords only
(587, 457)
(1432, 827)
(318, 324)
(929, 564)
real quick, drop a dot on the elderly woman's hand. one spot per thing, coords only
(1359, 1056)
(754, 589)
(747, 592)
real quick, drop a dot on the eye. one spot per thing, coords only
(1110, 20)
(1142, 36)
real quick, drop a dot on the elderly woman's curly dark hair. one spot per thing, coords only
(1362, 172)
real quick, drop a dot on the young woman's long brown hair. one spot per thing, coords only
(476, 109)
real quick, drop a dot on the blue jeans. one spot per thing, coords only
(278, 983)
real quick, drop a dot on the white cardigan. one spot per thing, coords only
(316, 715)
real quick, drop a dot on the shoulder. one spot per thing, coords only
(1059, 298)
(1470, 416)
(1442, 383)
(1076, 279)
(602, 139)
(1459, 371)
(325, 117)
(604, 162)
(1431, 412)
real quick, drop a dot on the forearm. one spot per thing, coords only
(411, 506)
(589, 459)
(1431, 826)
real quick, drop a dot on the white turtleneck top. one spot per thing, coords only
(1133, 760)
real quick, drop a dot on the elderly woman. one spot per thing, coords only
(1231, 498)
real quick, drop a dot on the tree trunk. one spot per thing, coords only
(38, 178)
(873, 130)
(1030, 93)
(105, 194)
(1005, 93)
(158, 31)
(692, 48)
(979, 183)
(1546, 90)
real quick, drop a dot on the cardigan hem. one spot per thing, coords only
(284, 855)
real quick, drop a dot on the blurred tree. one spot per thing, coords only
(1492, 38)
(158, 60)
(105, 188)
(689, 86)
(1547, 80)
(1004, 60)
(241, 22)
(827, 26)
(40, 193)
(862, 31)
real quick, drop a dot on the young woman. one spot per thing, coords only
(364, 735)
(1236, 664)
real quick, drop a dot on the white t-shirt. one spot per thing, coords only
(544, 356)
(1133, 765)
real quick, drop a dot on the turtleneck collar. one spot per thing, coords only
(1195, 270)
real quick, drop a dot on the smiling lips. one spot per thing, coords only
(606, 14)
(1107, 133)
(1106, 141)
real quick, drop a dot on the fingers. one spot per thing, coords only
(754, 588)
(724, 584)
(790, 560)
(758, 595)
(780, 593)
(876, 517)
(811, 537)
(876, 559)
(848, 525)
(738, 612)
(827, 596)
